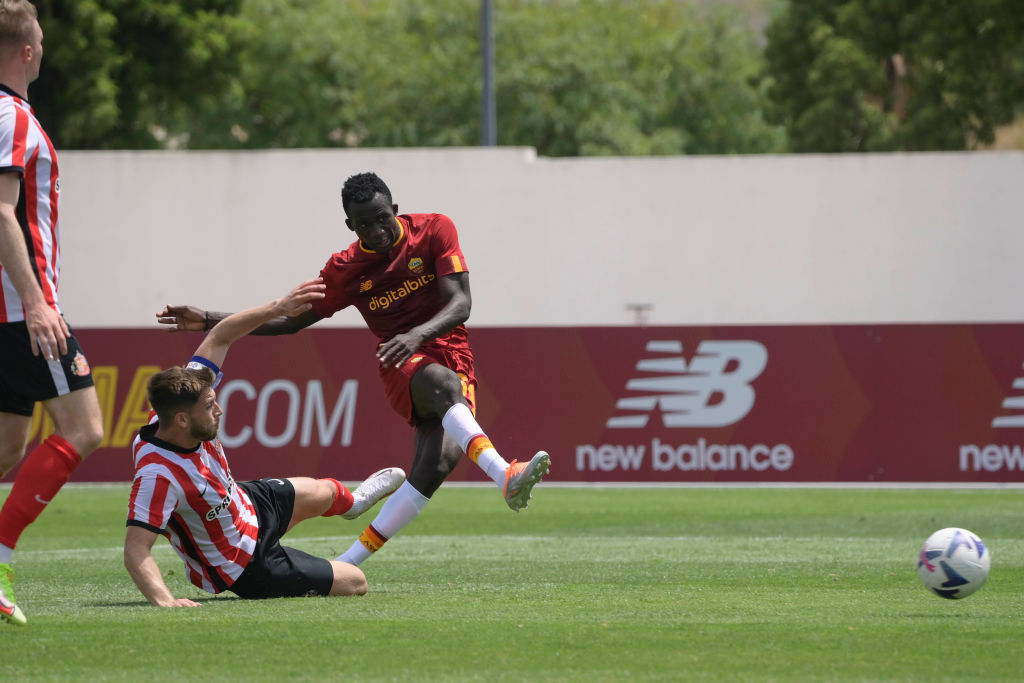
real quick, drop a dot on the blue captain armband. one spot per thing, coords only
(198, 363)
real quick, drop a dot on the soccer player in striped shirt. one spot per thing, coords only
(228, 533)
(40, 359)
(407, 276)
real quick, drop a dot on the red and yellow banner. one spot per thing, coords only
(805, 403)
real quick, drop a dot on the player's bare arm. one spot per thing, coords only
(401, 347)
(138, 560)
(47, 330)
(192, 319)
(296, 302)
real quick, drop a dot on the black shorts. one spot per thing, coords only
(26, 379)
(276, 571)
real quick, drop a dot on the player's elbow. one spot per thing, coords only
(463, 308)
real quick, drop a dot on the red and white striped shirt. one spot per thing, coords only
(26, 149)
(190, 497)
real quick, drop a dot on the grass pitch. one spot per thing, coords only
(589, 584)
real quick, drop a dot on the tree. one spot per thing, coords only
(347, 73)
(573, 78)
(863, 75)
(628, 78)
(609, 77)
(127, 73)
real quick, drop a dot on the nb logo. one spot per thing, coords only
(1015, 403)
(712, 390)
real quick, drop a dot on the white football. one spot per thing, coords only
(953, 563)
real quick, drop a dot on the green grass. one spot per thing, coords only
(589, 584)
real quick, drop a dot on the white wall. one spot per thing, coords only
(739, 239)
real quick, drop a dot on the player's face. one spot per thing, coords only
(375, 223)
(204, 420)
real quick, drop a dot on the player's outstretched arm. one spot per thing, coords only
(138, 560)
(183, 318)
(296, 302)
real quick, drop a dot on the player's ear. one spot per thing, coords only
(349, 224)
(394, 209)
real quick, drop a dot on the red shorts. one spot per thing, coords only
(396, 381)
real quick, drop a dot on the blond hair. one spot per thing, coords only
(16, 17)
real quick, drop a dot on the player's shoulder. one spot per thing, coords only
(152, 455)
(428, 221)
(8, 109)
(347, 255)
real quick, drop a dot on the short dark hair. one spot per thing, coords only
(177, 390)
(363, 187)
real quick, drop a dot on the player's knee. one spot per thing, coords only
(10, 455)
(435, 390)
(86, 438)
(348, 579)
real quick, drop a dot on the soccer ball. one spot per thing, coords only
(953, 563)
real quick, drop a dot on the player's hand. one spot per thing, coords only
(47, 332)
(183, 318)
(183, 602)
(398, 349)
(300, 299)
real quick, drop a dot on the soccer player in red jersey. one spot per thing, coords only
(40, 359)
(407, 276)
(226, 532)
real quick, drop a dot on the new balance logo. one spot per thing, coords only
(712, 390)
(998, 457)
(1012, 403)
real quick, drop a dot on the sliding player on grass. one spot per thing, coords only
(408, 277)
(228, 532)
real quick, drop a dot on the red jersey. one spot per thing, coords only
(25, 149)
(398, 290)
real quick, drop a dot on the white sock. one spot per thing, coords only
(356, 553)
(5, 554)
(403, 506)
(494, 466)
(463, 428)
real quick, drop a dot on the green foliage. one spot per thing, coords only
(572, 78)
(865, 75)
(600, 77)
(128, 73)
(336, 73)
(588, 584)
(626, 78)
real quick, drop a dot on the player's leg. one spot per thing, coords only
(13, 435)
(78, 419)
(408, 501)
(65, 388)
(329, 497)
(78, 429)
(348, 579)
(279, 571)
(438, 390)
(314, 497)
